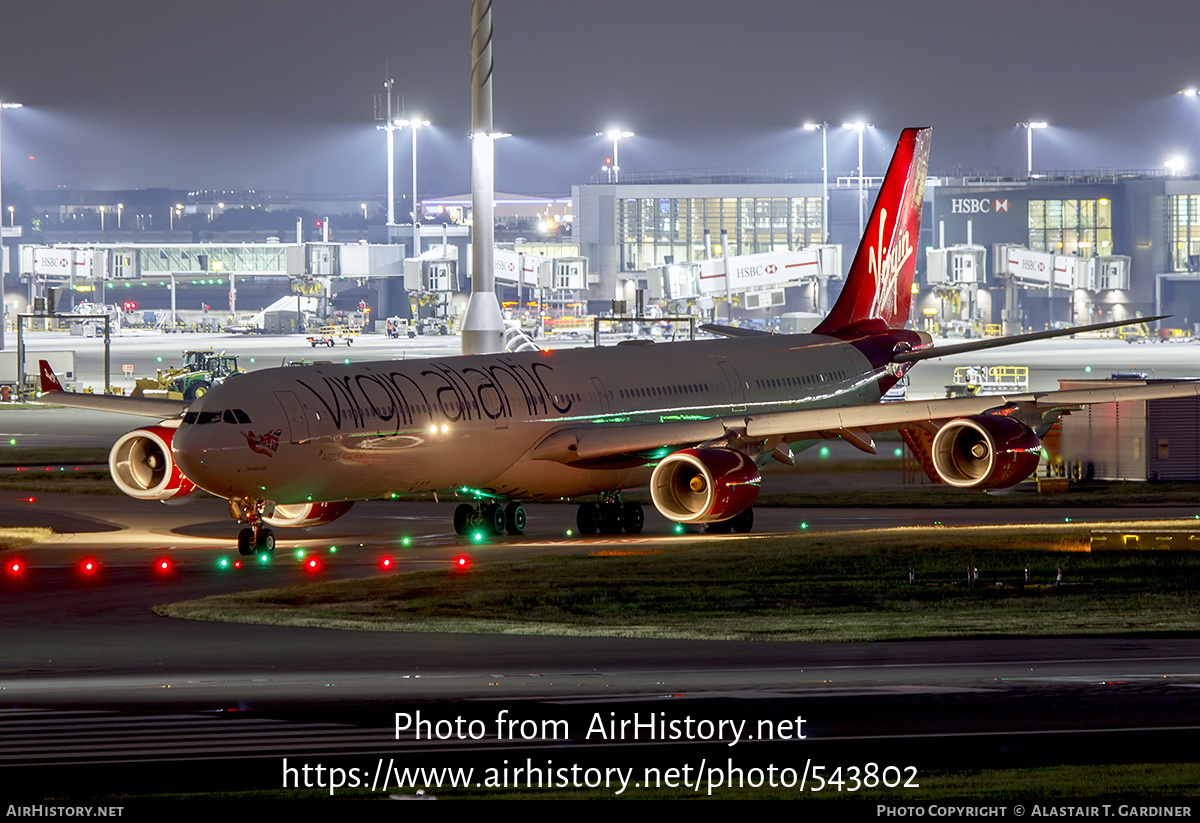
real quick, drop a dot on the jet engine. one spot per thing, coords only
(298, 515)
(985, 452)
(704, 485)
(141, 465)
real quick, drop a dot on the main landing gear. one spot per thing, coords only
(491, 517)
(740, 523)
(610, 516)
(256, 537)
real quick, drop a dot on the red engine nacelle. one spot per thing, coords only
(704, 485)
(141, 465)
(985, 452)
(296, 515)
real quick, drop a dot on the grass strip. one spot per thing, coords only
(823, 586)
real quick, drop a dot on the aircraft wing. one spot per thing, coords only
(852, 423)
(54, 394)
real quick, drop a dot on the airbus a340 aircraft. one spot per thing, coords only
(296, 446)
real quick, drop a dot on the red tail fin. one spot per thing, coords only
(49, 380)
(878, 290)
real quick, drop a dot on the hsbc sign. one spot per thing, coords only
(977, 205)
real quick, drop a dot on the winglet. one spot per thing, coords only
(877, 293)
(49, 380)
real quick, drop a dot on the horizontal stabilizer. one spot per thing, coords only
(995, 342)
(732, 331)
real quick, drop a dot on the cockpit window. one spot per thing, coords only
(228, 416)
(208, 417)
(241, 416)
(190, 418)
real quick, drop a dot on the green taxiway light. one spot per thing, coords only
(12, 441)
(803, 525)
(264, 558)
(405, 541)
(223, 563)
(333, 549)
(571, 532)
(1087, 369)
(299, 554)
(899, 452)
(477, 537)
(678, 528)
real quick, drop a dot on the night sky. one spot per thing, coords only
(279, 93)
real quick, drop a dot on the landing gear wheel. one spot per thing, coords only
(586, 518)
(265, 541)
(719, 527)
(462, 518)
(611, 519)
(514, 513)
(493, 517)
(744, 522)
(635, 518)
(246, 542)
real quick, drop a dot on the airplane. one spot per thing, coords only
(296, 446)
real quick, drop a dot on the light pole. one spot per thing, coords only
(120, 206)
(413, 125)
(1175, 164)
(101, 218)
(1029, 126)
(824, 127)
(390, 127)
(3, 259)
(616, 135)
(363, 206)
(859, 126)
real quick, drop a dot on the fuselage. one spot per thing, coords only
(372, 430)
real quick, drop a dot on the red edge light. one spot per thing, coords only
(312, 565)
(462, 562)
(386, 563)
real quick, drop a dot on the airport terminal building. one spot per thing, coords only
(1116, 244)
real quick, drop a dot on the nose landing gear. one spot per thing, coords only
(256, 537)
